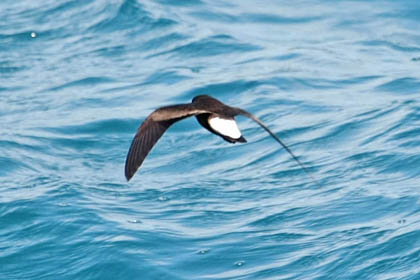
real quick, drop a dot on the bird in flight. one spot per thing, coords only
(215, 116)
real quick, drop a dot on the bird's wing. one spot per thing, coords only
(257, 120)
(151, 130)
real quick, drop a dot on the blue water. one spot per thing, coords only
(338, 81)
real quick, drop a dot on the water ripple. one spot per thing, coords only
(336, 81)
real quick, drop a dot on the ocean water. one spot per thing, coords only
(338, 81)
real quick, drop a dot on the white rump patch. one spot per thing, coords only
(225, 127)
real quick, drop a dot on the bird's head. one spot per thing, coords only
(201, 98)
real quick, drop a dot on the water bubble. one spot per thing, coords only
(63, 204)
(239, 263)
(134, 221)
(33, 34)
(203, 251)
(162, 198)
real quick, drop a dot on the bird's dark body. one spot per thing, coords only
(214, 106)
(218, 109)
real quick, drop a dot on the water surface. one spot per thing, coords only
(338, 81)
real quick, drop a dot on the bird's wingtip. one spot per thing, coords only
(128, 175)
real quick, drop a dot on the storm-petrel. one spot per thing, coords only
(212, 114)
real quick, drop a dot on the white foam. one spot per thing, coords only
(225, 127)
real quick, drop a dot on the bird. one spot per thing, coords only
(212, 114)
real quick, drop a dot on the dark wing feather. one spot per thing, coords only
(146, 137)
(176, 112)
(151, 130)
(254, 118)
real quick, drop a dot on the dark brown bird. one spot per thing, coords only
(212, 114)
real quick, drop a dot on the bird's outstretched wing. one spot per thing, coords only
(151, 130)
(257, 120)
